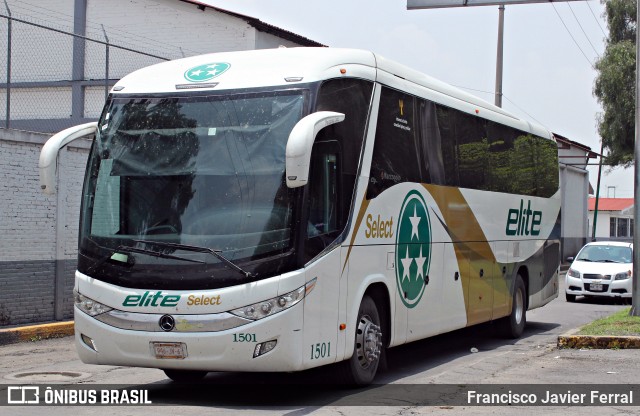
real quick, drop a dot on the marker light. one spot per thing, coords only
(274, 305)
(343, 71)
(264, 347)
(88, 342)
(88, 305)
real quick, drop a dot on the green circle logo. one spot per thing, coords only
(206, 72)
(413, 249)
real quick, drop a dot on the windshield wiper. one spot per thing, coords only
(129, 249)
(198, 249)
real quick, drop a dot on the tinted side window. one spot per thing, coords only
(396, 151)
(351, 97)
(501, 139)
(433, 165)
(472, 151)
(446, 124)
(547, 162)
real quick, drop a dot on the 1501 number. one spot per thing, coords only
(244, 337)
(320, 350)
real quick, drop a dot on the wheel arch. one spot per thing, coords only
(377, 288)
(379, 292)
(523, 271)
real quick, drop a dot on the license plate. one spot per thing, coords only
(169, 350)
(595, 287)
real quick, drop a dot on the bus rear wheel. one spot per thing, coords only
(185, 376)
(361, 368)
(513, 325)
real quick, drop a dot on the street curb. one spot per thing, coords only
(571, 340)
(36, 332)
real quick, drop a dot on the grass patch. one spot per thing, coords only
(620, 323)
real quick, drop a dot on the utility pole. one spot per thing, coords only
(499, 57)
(635, 290)
(441, 4)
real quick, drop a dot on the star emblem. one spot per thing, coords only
(420, 262)
(206, 72)
(415, 221)
(406, 266)
(413, 249)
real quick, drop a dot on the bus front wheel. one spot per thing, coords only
(361, 368)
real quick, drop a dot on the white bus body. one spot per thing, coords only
(399, 208)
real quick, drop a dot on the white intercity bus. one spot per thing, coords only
(278, 210)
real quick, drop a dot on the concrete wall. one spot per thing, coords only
(574, 183)
(38, 248)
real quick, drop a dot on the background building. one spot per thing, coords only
(614, 220)
(58, 61)
(574, 183)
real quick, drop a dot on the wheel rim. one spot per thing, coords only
(368, 342)
(519, 306)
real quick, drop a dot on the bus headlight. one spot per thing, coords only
(274, 305)
(88, 305)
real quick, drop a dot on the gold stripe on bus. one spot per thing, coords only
(363, 209)
(484, 287)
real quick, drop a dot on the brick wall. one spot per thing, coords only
(38, 241)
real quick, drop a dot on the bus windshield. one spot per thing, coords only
(204, 171)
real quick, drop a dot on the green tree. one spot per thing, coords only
(615, 84)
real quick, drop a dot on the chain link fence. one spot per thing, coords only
(52, 78)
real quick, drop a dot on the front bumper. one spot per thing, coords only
(227, 350)
(579, 286)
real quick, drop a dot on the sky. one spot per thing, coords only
(549, 53)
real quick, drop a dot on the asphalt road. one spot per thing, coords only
(466, 357)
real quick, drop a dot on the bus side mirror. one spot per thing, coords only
(300, 143)
(50, 150)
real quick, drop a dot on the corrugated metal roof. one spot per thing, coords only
(610, 204)
(260, 25)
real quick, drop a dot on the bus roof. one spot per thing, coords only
(290, 66)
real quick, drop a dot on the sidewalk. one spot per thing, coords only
(36, 332)
(571, 340)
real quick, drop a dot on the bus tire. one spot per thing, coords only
(513, 325)
(361, 368)
(185, 376)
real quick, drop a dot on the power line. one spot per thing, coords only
(574, 39)
(519, 108)
(94, 27)
(597, 21)
(504, 96)
(473, 89)
(583, 31)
